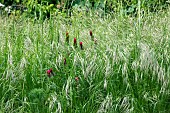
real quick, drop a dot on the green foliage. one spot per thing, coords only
(44, 8)
(126, 70)
(40, 9)
(131, 6)
(37, 98)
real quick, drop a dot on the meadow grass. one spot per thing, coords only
(126, 70)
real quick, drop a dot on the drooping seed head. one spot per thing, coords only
(95, 41)
(66, 34)
(58, 6)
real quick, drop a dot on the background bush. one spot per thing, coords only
(45, 7)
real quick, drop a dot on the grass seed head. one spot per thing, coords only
(95, 41)
(67, 34)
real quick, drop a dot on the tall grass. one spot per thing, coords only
(121, 73)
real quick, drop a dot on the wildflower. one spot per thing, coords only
(50, 72)
(81, 45)
(75, 43)
(91, 34)
(77, 79)
(64, 61)
(67, 38)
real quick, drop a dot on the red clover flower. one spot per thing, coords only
(50, 72)
(81, 45)
(92, 37)
(75, 43)
(91, 33)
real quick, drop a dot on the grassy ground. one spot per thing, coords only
(126, 70)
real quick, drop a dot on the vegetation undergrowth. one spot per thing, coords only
(85, 64)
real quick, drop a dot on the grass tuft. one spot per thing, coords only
(116, 64)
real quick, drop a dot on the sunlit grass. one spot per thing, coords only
(123, 71)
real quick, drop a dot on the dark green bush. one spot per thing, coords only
(130, 6)
(46, 7)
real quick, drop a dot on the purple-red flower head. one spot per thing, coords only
(91, 34)
(50, 72)
(75, 42)
(92, 37)
(81, 45)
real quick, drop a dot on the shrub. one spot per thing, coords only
(47, 7)
(130, 6)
